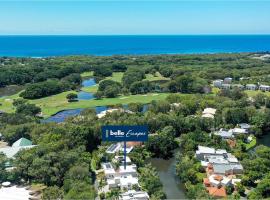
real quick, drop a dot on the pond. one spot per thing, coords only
(265, 140)
(82, 95)
(85, 95)
(89, 82)
(172, 186)
(63, 115)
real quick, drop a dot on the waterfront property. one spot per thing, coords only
(116, 147)
(134, 195)
(224, 134)
(121, 177)
(221, 169)
(218, 161)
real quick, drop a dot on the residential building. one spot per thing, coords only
(217, 181)
(227, 169)
(239, 86)
(224, 134)
(122, 177)
(209, 113)
(217, 192)
(226, 86)
(264, 88)
(113, 148)
(20, 144)
(237, 131)
(124, 182)
(217, 83)
(134, 195)
(204, 151)
(227, 80)
(251, 87)
(244, 126)
(109, 171)
(219, 161)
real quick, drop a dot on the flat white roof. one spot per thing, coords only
(108, 168)
(113, 148)
(132, 195)
(126, 180)
(209, 111)
(14, 193)
(129, 168)
(202, 149)
(239, 130)
(207, 115)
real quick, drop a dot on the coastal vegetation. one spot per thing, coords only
(68, 156)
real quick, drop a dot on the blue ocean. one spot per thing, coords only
(42, 46)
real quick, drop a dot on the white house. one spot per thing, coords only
(245, 126)
(226, 86)
(217, 83)
(209, 113)
(237, 131)
(204, 151)
(251, 87)
(217, 180)
(241, 87)
(134, 195)
(124, 182)
(113, 148)
(224, 134)
(227, 80)
(121, 177)
(221, 162)
(264, 88)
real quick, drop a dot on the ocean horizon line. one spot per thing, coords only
(61, 35)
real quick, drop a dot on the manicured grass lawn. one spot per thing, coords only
(116, 76)
(55, 103)
(87, 74)
(6, 103)
(157, 77)
(251, 93)
(252, 144)
(51, 105)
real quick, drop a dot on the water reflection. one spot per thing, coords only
(63, 115)
(89, 82)
(171, 183)
(85, 95)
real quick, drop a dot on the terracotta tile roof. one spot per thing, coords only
(218, 178)
(217, 192)
(206, 182)
(133, 144)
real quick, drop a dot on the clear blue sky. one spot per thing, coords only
(135, 17)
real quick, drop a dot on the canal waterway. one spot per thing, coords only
(172, 185)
